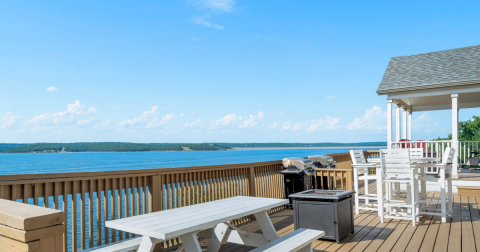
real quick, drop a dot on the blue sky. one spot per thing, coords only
(215, 70)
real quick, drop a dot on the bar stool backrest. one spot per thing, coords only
(395, 163)
(416, 153)
(448, 155)
(357, 157)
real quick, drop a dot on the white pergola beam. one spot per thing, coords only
(455, 134)
(409, 125)
(404, 123)
(389, 124)
(397, 123)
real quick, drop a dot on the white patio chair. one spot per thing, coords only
(361, 172)
(396, 167)
(442, 179)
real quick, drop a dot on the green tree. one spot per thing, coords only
(468, 130)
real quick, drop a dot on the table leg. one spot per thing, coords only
(190, 242)
(423, 189)
(147, 244)
(308, 248)
(266, 225)
(219, 236)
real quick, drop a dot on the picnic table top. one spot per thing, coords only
(178, 221)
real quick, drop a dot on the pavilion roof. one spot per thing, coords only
(448, 68)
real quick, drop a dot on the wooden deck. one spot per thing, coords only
(460, 233)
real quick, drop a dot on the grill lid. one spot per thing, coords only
(322, 194)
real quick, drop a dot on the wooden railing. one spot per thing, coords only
(88, 199)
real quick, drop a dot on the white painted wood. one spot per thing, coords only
(294, 241)
(190, 242)
(397, 123)
(175, 222)
(360, 167)
(147, 244)
(220, 235)
(444, 183)
(308, 248)
(266, 226)
(249, 239)
(119, 246)
(188, 222)
(396, 167)
(389, 124)
(455, 134)
(410, 125)
(404, 123)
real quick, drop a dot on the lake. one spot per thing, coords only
(30, 163)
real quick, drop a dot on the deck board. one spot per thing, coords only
(460, 233)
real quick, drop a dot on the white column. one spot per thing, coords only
(404, 121)
(397, 123)
(409, 116)
(389, 124)
(455, 134)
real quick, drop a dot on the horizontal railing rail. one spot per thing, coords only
(88, 199)
(430, 148)
(464, 151)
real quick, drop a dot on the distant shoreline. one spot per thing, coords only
(308, 148)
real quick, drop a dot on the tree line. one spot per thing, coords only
(108, 147)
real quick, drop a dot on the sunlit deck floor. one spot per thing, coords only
(460, 233)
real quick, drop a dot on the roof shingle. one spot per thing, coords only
(421, 71)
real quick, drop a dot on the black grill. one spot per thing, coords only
(325, 210)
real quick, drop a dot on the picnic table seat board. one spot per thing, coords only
(172, 223)
(119, 246)
(299, 240)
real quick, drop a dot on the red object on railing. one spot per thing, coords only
(405, 145)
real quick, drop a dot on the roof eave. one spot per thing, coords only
(427, 87)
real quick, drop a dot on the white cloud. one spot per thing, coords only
(73, 110)
(327, 123)
(331, 97)
(115, 107)
(182, 114)
(374, 119)
(84, 122)
(105, 125)
(215, 5)
(425, 123)
(196, 39)
(9, 120)
(234, 120)
(252, 120)
(146, 116)
(193, 124)
(204, 22)
(321, 124)
(52, 89)
(148, 119)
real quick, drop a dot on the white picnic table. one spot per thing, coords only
(207, 220)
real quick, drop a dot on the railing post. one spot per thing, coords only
(28, 228)
(350, 180)
(251, 181)
(155, 193)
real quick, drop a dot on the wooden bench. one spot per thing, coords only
(119, 246)
(299, 240)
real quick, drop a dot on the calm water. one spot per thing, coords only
(31, 163)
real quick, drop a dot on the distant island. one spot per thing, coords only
(132, 147)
